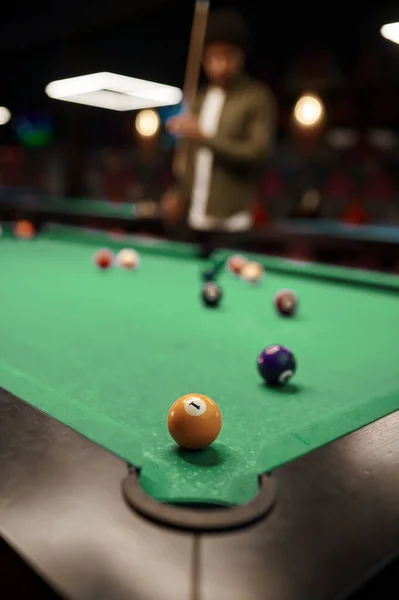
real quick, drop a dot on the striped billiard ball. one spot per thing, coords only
(276, 365)
(286, 302)
(235, 263)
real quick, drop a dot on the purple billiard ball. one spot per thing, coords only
(276, 365)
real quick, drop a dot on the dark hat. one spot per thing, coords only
(227, 26)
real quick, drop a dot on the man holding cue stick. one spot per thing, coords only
(225, 135)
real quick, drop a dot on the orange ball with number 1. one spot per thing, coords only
(194, 421)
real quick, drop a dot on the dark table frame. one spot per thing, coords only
(334, 525)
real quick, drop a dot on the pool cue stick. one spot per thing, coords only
(191, 79)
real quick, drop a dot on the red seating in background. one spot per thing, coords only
(259, 214)
(273, 195)
(338, 185)
(355, 213)
(379, 186)
(272, 184)
(336, 194)
(379, 194)
(11, 166)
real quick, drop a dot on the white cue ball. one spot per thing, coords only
(128, 259)
(252, 272)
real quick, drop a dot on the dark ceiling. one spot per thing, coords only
(45, 20)
(149, 39)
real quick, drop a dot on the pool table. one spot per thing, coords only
(298, 495)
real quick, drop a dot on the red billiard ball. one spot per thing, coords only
(286, 302)
(104, 259)
(235, 263)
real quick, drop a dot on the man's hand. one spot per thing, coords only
(185, 126)
(173, 206)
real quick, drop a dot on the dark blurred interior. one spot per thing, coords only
(329, 193)
(345, 169)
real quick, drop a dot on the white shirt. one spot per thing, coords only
(209, 122)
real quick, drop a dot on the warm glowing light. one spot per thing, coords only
(5, 115)
(147, 123)
(115, 92)
(390, 32)
(308, 111)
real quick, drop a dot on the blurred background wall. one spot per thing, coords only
(345, 166)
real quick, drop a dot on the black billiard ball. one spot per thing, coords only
(276, 365)
(211, 294)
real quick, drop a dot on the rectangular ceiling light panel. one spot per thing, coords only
(390, 31)
(114, 92)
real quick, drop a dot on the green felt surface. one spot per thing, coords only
(107, 353)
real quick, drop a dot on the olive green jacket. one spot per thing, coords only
(240, 148)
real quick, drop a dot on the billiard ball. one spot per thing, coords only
(276, 365)
(213, 271)
(235, 263)
(128, 259)
(252, 272)
(286, 302)
(24, 230)
(104, 259)
(194, 421)
(211, 294)
(209, 275)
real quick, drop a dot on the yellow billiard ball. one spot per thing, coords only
(194, 421)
